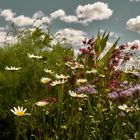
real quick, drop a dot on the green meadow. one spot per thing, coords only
(48, 93)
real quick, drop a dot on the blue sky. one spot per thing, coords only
(75, 19)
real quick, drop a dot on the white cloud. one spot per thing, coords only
(60, 14)
(40, 18)
(7, 14)
(19, 20)
(22, 20)
(95, 11)
(135, 42)
(136, 52)
(84, 15)
(112, 35)
(2, 37)
(57, 14)
(134, 24)
(134, 61)
(2, 28)
(6, 38)
(43, 20)
(69, 19)
(38, 14)
(70, 36)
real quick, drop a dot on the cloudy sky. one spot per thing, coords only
(74, 19)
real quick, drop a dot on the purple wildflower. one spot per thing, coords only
(132, 91)
(113, 95)
(89, 89)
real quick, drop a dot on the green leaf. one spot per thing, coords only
(101, 42)
(103, 62)
(97, 45)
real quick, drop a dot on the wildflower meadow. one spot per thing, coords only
(47, 92)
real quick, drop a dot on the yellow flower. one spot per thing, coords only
(78, 65)
(19, 111)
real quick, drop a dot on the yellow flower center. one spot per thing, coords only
(20, 113)
(46, 81)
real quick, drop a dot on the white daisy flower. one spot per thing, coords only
(12, 68)
(48, 71)
(62, 76)
(68, 64)
(134, 72)
(78, 65)
(58, 82)
(74, 94)
(101, 75)
(124, 107)
(41, 103)
(75, 65)
(34, 56)
(19, 111)
(81, 81)
(91, 71)
(45, 80)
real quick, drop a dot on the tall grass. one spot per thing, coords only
(94, 109)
